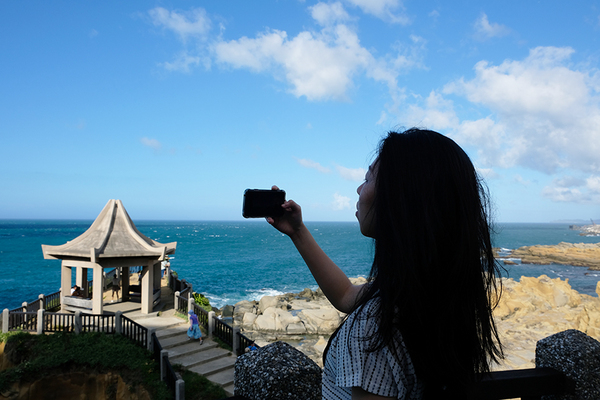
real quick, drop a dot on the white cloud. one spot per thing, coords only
(522, 181)
(186, 24)
(152, 143)
(313, 165)
(319, 66)
(182, 63)
(486, 30)
(541, 113)
(351, 174)
(545, 113)
(575, 190)
(329, 14)
(340, 202)
(383, 9)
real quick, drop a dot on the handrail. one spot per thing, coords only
(134, 331)
(59, 322)
(52, 301)
(223, 331)
(25, 321)
(98, 323)
(202, 315)
(244, 342)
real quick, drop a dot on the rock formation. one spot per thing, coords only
(577, 356)
(578, 254)
(277, 371)
(529, 310)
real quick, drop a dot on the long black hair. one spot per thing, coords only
(434, 267)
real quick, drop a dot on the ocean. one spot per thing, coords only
(230, 261)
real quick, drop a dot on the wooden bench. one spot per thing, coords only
(73, 303)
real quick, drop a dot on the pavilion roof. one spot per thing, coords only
(112, 235)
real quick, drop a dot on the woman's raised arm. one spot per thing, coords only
(331, 279)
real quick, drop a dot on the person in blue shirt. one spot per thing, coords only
(194, 331)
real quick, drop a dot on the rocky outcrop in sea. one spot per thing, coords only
(578, 254)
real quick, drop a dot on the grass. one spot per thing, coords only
(35, 356)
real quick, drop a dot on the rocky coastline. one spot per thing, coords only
(529, 310)
(578, 254)
(587, 230)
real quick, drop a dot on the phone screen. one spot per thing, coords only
(263, 203)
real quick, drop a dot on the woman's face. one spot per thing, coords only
(366, 195)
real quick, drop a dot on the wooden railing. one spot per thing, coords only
(134, 331)
(59, 322)
(202, 315)
(24, 321)
(99, 323)
(52, 301)
(244, 342)
(223, 331)
(168, 375)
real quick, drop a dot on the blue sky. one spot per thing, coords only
(177, 107)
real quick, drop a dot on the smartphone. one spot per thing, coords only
(263, 203)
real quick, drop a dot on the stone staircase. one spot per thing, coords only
(208, 359)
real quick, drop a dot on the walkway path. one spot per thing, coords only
(208, 359)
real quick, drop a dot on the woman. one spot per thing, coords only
(194, 331)
(422, 327)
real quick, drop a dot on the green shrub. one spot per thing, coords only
(202, 301)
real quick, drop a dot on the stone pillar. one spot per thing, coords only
(118, 322)
(180, 389)
(147, 287)
(236, 341)
(77, 326)
(98, 295)
(42, 301)
(150, 343)
(191, 304)
(81, 280)
(164, 359)
(211, 324)
(65, 282)
(125, 283)
(5, 320)
(175, 304)
(40, 321)
(156, 270)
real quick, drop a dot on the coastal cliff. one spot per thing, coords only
(529, 310)
(578, 254)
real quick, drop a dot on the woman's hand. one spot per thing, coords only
(291, 221)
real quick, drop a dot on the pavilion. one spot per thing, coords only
(112, 241)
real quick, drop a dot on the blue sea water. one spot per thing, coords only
(245, 260)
